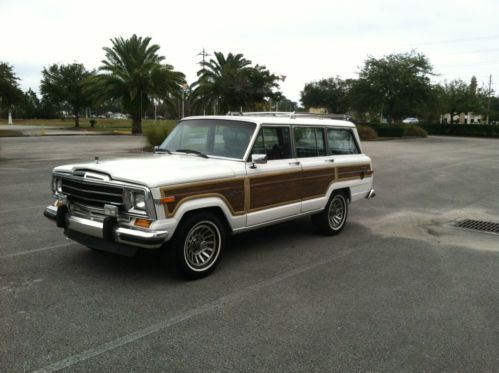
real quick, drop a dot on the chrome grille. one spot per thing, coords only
(91, 193)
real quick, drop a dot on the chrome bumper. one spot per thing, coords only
(96, 230)
(371, 194)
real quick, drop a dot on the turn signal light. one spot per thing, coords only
(169, 199)
(144, 223)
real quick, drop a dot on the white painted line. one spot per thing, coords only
(211, 306)
(37, 250)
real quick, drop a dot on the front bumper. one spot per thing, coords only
(105, 235)
(371, 194)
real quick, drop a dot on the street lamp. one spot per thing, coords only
(184, 89)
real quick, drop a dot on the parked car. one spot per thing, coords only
(410, 121)
(211, 177)
(118, 116)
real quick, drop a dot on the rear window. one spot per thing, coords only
(341, 141)
(309, 142)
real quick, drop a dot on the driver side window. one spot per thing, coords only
(274, 142)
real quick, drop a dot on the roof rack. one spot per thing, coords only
(291, 115)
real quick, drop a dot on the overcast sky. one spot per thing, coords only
(305, 41)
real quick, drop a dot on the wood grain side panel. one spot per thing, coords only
(315, 182)
(273, 190)
(354, 172)
(231, 191)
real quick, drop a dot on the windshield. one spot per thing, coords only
(221, 138)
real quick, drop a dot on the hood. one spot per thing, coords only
(157, 170)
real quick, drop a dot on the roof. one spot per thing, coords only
(280, 119)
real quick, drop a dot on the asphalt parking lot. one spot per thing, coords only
(400, 289)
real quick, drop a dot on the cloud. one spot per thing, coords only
(304, 41)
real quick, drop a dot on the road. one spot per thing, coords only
(400, 289)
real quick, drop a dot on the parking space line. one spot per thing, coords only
(208, 307)
(37, 250)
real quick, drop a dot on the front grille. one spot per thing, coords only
(92, 194)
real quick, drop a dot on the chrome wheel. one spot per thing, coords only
(337, 212)
(202, 246)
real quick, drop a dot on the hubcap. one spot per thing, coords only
(202, 246)
(336, 213)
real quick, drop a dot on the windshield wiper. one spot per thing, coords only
(159, 150)
(190, 151)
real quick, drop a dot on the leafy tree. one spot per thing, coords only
(133, 72)
(458, 97)
(10, 94)
(63, 85)
(261, 85)
(396, 85)
(331, 93)
(494, 110)
(29, 106)
(230, 82)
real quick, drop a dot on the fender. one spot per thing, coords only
(198, 203)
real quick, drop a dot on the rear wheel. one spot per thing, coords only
(197, 245)
(332, 219)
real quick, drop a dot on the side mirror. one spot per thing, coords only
(258, 159)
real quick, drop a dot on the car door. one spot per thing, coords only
(272, 186)
(318, 167)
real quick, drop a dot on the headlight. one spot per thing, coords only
(136, 201)
(139, 201)
(56, 185)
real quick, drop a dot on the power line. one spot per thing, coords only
(490, 37)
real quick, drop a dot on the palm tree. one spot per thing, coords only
(133, 73)
(222, 82)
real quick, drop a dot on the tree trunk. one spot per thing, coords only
(136, 125)
(77, 120)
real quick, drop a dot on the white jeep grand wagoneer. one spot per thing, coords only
(213, 176)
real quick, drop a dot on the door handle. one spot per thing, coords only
(294, 163)
(329, 160)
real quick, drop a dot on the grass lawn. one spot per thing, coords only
(9, 133)
(119, 126)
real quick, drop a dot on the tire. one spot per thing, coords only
(332, 219)
(197, 245)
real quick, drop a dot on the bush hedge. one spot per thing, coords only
(156, 133)
(476, 130)
(388, 130)
(415, 131)
(400, 130)
(366, 133)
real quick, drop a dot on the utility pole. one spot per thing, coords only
(204, 54)
(488, 99)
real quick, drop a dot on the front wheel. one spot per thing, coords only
(198, 244)
(332, 219)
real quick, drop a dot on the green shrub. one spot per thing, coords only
(416, 131)
(388, 130)
(476, 130)
(92, 122)
(366, 133)
(156, 133)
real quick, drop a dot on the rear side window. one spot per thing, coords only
(273, 142)
(309, 142)
(341, 141)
